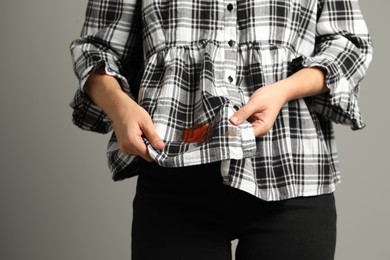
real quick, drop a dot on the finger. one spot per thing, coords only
(152, 136)
(262, 126)
(259, 129)
(140, 148)
(241, 115)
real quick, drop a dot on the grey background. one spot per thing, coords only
(56, 196)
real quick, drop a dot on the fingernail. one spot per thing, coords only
(234, 119)
(159, 144)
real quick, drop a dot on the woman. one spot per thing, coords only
(224, 109)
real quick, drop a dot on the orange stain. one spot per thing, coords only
(196, 134)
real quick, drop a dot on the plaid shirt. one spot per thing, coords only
(192, 63)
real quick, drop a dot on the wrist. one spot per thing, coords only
(282, 91)
(118, 105)
(306, 82)
(106, 93)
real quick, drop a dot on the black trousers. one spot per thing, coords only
(188, 214)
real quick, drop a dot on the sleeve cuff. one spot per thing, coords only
(340, 103)
(86, 114)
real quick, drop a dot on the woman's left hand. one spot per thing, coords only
(266, 102)
(262, 109)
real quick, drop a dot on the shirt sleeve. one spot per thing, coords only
(110, 38)
(344, 50)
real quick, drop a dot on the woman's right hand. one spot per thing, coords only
(131, 125)
(131, 122)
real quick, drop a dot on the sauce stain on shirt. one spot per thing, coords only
(231, 133)
(196, 134)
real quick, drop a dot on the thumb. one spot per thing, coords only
(241, 115)
(152, 136)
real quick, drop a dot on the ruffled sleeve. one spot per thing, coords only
(344, 50)
(110, 38)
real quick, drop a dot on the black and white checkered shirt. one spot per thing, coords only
(192, 63)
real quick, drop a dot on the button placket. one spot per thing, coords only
(230, 38)
(230, 53)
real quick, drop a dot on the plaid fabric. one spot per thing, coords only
(191, 64)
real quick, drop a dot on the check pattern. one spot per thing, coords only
(193, 63)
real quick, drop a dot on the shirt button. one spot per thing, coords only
(236, 107)
(231, 43)
(230, 7)
(230, 79)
